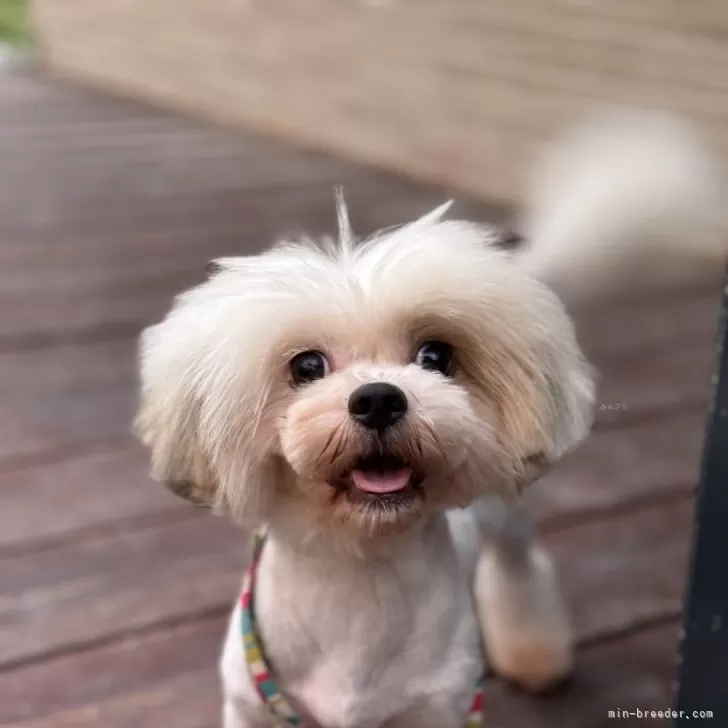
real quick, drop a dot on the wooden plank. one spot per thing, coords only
(75, 393)
(189, 701)
(632, 673)
(651, 385)
(85, 494)
(620, 469)
(622, 572)
(665, 321)
(150, 192)
(21, 439)
(163, 679)
(79, 593)
(149, 177)
(26, 88)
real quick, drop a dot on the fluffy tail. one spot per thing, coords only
(624, 204)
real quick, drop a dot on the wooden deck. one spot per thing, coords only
(113, 594)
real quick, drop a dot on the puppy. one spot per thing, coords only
(373, 409)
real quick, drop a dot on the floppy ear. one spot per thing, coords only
(202, 397)
(541, 387)
(563, 399)
(568, 403)
(168, 421)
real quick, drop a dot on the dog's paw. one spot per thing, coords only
(537, 668)
(524, 621)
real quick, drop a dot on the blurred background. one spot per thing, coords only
(140, 139)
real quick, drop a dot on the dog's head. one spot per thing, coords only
(360, 387)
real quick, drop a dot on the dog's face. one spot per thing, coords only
(377, 421)
(357, 389)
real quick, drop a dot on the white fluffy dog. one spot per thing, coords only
(369, 404)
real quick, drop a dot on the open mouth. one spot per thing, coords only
(381, 478)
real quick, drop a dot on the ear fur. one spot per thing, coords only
(196, 414)
(563, 399)
(168, 423)
(541, 388)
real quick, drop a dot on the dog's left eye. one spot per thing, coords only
(309, 366)
(435, 356)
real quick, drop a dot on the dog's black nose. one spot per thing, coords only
(377, 405)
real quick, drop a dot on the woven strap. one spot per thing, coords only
(254, 656)
(475, 716)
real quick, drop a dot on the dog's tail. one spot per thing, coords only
(623, 204)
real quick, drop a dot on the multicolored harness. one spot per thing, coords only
(261, 674)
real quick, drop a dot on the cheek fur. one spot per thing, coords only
(316, 433)
(441, 416)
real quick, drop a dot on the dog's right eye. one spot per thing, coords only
(309, 366)
(435, 356)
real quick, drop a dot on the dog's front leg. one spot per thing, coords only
(522, 612)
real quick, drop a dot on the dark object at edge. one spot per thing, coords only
(703, 668)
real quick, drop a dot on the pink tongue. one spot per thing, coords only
(390, 481)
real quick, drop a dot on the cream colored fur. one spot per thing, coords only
(372, 617)
(626, 203)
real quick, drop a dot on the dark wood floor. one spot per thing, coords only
(113, 594)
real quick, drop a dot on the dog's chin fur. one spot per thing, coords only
(227, 426)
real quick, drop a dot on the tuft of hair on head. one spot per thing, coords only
(346, 234)
(434, 216)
